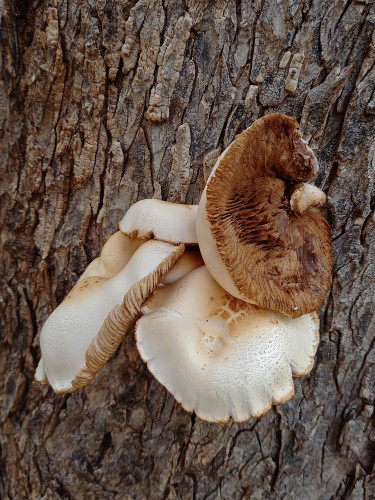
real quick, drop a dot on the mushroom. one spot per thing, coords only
(118, 250)
(115, 254)
(304, 196)
(261, 246)
(190, 260)
(84, 331)
(161, 220)
(220, 356)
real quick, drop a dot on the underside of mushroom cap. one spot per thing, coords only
(273, 257)
(164, 221)
(219, 356)
(85, 330)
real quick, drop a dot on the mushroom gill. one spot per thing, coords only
(251, 240)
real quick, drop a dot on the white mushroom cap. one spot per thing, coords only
(305, 196)
(219, 356)
(161, 220)
(40, 374)
(191, 259)
(115, 254)
(86, 328)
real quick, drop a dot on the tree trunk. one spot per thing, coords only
(103, 103)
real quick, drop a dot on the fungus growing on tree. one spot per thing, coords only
(220, 356)
(224, 348)
(258, 244)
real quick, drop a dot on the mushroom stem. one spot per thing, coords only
(161, 220)
(118, 321)
(305, 196)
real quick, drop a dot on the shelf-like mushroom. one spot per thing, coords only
(260, 244)
(219, 356)
(161, 220)
(84, 331)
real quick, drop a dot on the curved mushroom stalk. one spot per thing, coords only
(85, 330)
(219, 356)
(252, 242)
(161, 220)
(115, 254)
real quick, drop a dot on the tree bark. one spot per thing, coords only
(103, 103)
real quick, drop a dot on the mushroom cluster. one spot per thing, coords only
(226, 292)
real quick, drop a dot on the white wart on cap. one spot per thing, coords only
(219, 356)
(260, 244)
(161, 220)
(84, 331)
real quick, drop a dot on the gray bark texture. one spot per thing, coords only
(106, 102)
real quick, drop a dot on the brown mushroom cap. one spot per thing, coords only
(273, 257)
